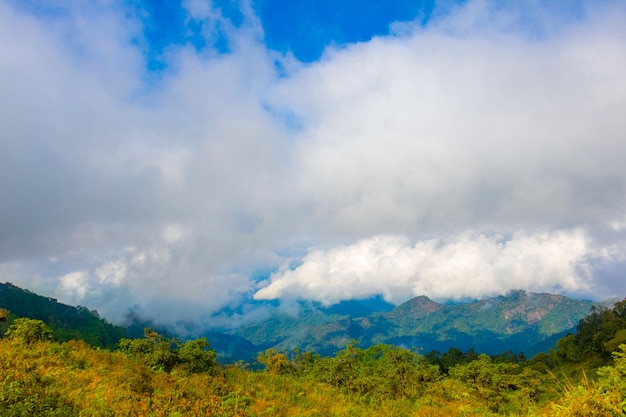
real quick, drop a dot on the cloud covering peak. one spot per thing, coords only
(458, 267)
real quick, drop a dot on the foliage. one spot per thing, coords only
(72, 379)
(161, 353)
(29, 331)
(275, 362)
(521, 321)
(499, 384)
(196, 356)
(67, 322)
(605, 398)
(161, 376)
(597, 337)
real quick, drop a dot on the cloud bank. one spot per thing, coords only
(476, 153)
(464, 266)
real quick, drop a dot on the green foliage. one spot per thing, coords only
(568, 350)
(379, 372)
(161, 376)
(605, 398)
(196, 356)
(29, 331)
(71, 379)
(499, 384)
(597, 337)
(161, 353)
(521, 321)
(275, 362)
(154, 350)
(67, 323)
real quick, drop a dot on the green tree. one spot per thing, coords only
(567, 349)
(275, 362)
(161, 353)
(29, 331)
(196, 356)
(499, 384)
(154, 350)
(607, 398)
(451, 358)
(4, 314)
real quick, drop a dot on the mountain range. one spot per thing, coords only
(519, 321)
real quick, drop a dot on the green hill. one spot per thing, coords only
(520, 321)
(66, 321)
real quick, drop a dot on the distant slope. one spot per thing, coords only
(519, 321)
(502, 315)
(67, 322)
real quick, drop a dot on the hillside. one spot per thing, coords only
(158, 376)
(519, 321)
(67, 322)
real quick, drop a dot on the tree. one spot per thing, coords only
(160, 353)
(29, 331)
(275, 362)
(154, 350)
(451, 358)
(4, 314)
(620, 309)
(606, 398)
(196, 355)
(499, 384)
(567, 349)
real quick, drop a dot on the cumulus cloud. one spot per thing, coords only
(479, 153)
(463, 266)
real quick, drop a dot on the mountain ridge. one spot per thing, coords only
(519, 321)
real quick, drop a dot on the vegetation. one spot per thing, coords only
(163, 354)
(66, 322)
(523, 321)
(160, 376)
(29, 331)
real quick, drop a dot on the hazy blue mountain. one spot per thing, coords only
(357, 308)
(520, 321)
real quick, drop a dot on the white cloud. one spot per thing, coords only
(468, 265)
(74, 285)
(435, 131)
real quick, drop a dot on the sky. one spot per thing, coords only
(179, 159)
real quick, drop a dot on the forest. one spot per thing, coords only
(584, 375)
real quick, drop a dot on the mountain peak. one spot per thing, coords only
(416, 307)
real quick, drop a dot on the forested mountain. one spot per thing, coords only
(520, 321)
(67, 322)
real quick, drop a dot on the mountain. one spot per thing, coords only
(67, 322)
(520, 321)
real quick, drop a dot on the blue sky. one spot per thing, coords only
(304, 28)
(188, 156)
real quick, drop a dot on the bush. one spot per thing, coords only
(29, 331)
